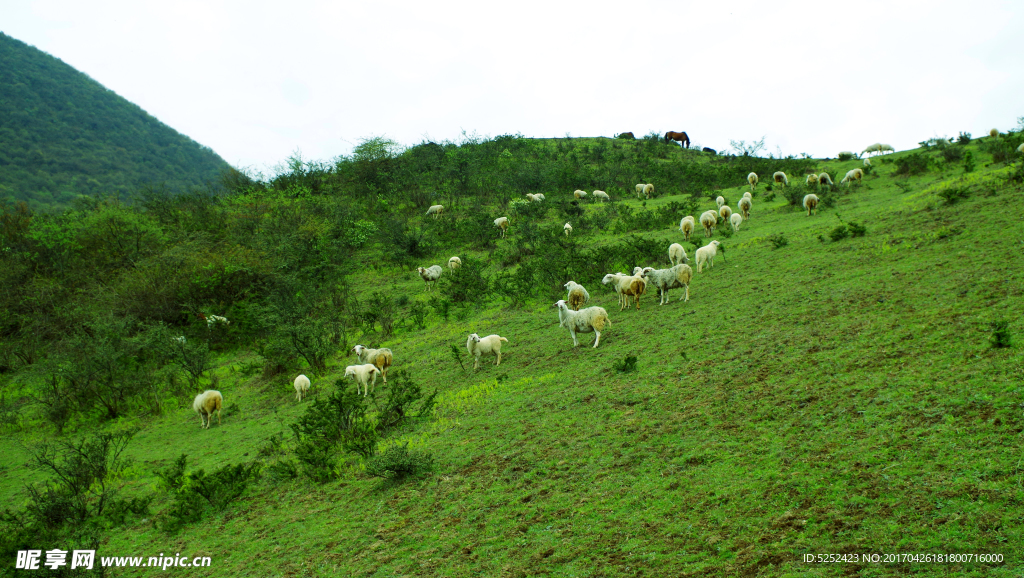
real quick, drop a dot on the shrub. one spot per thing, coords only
(418, 315)
(1000, 334)
(846, 156)
(197, 492)
(953, 194)
(380, 310)
(626, 365)
(441, 306)
(466, 284)
(968, 162)
(839, 233)
(912, 164)
(964, 138)
(951, 153)
(778, 240)
(397, 463)
(856, 229)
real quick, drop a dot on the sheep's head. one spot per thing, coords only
(560, 304)
(607, 279)
(474, 338)
(358, 349)
(350, 370)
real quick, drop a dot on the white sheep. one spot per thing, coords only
(811, 203)
(1020, 149)
(567, 228)
(380, 358)
(885, 148)
(665, 279)
(852, 175)
(531, 197)
(501, 223)
(648, 190)
(745, 206)
(709, 220)
(435, 210)
(875, 148)
(179, 339)
(205, 404)
(850, 154)
(640, 190)
(215, 319)
(752, 179)
(736, 220)
(430, 274)
(301, 387)
(361, 374)
(539, 197)
(601, 195)
(578, 295)
(780, 178)
(677, 254)
(825, 180)
(626, 286)
(812, 180)
(454, 263)
(993, 133)
(686, 227)
(725, 212)
(477, 346)
(578, 194)
(747, 195)
(706, 254)
(590, 319)
(720, 201)
(867, 162)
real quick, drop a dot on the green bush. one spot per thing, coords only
(912, 164)
(839, 233)
(397, 463)
(1000, 334)
(778, 240)
(197, 492)
(856, 229)
(847, 156)
(953, 194)
(627, 365)
(467, 284)
(964, 138)
(968, 162)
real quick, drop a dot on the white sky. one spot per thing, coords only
(257, 81)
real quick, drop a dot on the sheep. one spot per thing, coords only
(648, 190)
(825, 180)
(362, 373)
(531, 197)
(179, 339)
(875, 148)
(579, 195)
(736, 220)
(725, 212)
(601, 195)
(501, 223)
(454, 263)
(301, 387)
(1020, 148)
(780, 178)
(885, 148)
(577, 296)
(686, 227)
(590, 319)
(677, 254)
(435, 210)
(381, 358)
(852, 175)
(747, 195)
(812, 180)
(752, 179)
(626, 286)
(720, 201)
(708, 220)
(850, 154)
(744, 206)
(993, 133)
(205, 404)
(665, 279)
(430, 274)
(640, 190)
(215, 319)
(706, 254)
(811, 203)
(477, 346)
(567, 228)
(867, 162)
(539, 197)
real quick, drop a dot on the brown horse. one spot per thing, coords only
(684, 141)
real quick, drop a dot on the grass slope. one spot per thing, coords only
(823, 397)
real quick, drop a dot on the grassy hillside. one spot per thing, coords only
(62, 135)
(818, 394)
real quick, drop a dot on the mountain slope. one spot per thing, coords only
(63, 134)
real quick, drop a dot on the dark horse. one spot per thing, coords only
(684, 141)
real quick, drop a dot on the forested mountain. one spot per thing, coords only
(62, 134)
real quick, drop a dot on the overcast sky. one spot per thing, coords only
(258, 81)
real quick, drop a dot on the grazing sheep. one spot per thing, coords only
(706, 254)
(744, 206)
(708, 220)
(1020, 149)
(993, 133)
(435, 210)
(430, 274)
(720, 201)
(626, 286)
(601, 195)
(301, 387)
(825, 180)
(736, 220)
(477, 346)
(567, 228)
(205, 404)
(648, 190)
(812, 180)
(539, 197)
(811, 203)
(875, 148)
(531, 197)
(677, 254)
(852, 175)
(454, 263)
(884, 148)
(361, 374)
(686, 227)
(381, 358)
(665, 279)
(579, 195)
(501, 223)
(780, 178)
(640, 190)
(850, 154)
(747, 195)
(725, 212)
(752, 179)
(578, 295)
(867, 162)
(590, 319)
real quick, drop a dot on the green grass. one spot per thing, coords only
(824, 397)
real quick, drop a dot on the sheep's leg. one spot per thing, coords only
(499, 358)
(575, 343)
(477, 363)
(373, 382)
(218, 417)
(598, 339)
(687, 296)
